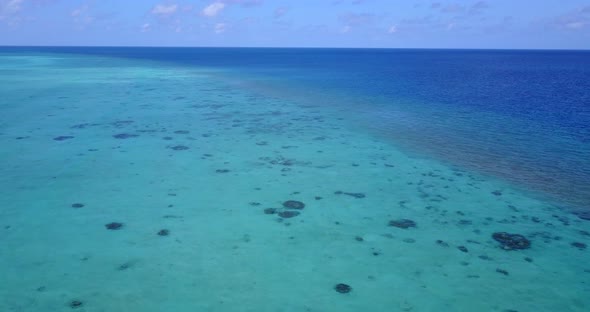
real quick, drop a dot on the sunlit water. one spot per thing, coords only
(156, 180)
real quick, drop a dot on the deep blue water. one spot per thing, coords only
(523, 116)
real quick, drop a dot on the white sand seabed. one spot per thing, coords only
(223, 252)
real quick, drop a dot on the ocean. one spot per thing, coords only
(258, 179)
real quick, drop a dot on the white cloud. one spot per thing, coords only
(10, 6)
(9, 9)
(145, 27)
(574, 20)
(213, 9)
(82, 16)
(279, 12)
(164, 10)
(79, 11)
(220, 27)
(392, 29)
(575, 25)
(345, 29)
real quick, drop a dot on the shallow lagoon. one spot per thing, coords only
(138, 185)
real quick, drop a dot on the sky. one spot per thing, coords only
(501, 24)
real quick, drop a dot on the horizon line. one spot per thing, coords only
(287, 47)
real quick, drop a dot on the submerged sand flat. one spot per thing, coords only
(183, 169)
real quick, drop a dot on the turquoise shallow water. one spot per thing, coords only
(89, 141)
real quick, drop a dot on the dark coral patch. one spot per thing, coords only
(222, 170)
(402, 223)
(501, 271)
(125, 136)
(182, 132)
(343, 288)
(288, 214)
(270, 210)
(511, 241)
(164, 232)
(84, 125)
(294, 204)
(74, 304)
(114, 226)
(125, 266)
(579, 245)
(121, 123)
(355, 195)
(77, 205)
(584, 215)
(179, 147)
(80, 126)
(63, 138)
